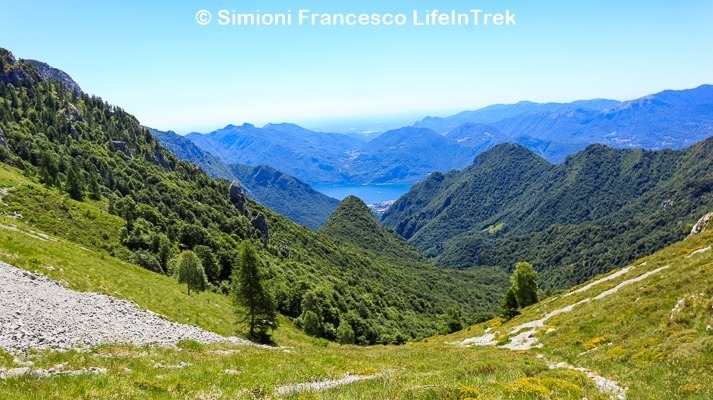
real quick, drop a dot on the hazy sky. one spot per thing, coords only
(153, 59)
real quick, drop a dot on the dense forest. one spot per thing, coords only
(598, 210)
(93, 151)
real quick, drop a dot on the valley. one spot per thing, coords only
(646, 321)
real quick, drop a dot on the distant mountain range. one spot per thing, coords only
(600, 208)
(670, 119)
(498, 112)
(275, 189)
(310, 156)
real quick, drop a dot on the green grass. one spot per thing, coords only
(630, 336)
(653, 356)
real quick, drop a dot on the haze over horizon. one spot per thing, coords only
(156, 62)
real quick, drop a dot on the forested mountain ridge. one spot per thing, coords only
(85, 151)
(597, 210)
(285, 194)
(272, 188)
(185, 149)
(353, 222)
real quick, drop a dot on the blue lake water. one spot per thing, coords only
(370, 194)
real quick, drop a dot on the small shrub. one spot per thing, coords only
(530, 388)
(467, 393)
(691, 388)
(146, 260)
(594, 343)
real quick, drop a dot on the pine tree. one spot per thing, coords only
(190, 272)
(74, 184)
(95, 192)
(510, 306)
(128, 211)
(250, 296)
(48, 168)
(524, 283)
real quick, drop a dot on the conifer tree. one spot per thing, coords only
(510, 306)
(250, 296)
(128, 211)
(165, 251)
(209, 261)
(95, 192)
(73, 185)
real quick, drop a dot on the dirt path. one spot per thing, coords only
(522, 337)
(322, 385)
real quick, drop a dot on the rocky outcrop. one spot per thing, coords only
(159, 159)
(237, 197)
(2, 139)
(20, 72)
(122, 147)
(260, 223)
(284, 249)
(48, 72)
(702, 224)
(70, 113)
(10, 71)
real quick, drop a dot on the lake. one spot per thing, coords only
(370, 194)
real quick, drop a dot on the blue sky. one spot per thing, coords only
(152, 58)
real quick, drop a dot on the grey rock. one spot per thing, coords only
(260, 223)
(48, 72)
(122, 147)
(70, 113)
(237, 197)
(702, 224)
(15, 372)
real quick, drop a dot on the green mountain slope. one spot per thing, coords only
(285, 194)
(274, 189)
(599, 209)
(82, 148)
(354, 223)
(646, 326)
(186, 150)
